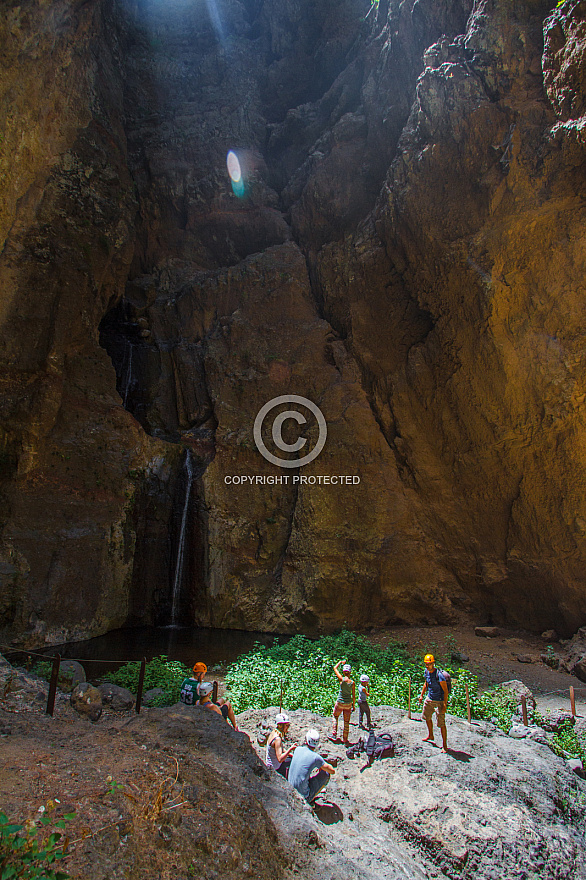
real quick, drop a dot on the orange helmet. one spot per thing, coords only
(429, 658)
(200, 669)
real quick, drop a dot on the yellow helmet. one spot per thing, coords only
(429, 658)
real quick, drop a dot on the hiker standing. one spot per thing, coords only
(363, 696)
(346, 702)
(436, 700)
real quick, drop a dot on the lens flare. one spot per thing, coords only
(238, 188)
(233, 164)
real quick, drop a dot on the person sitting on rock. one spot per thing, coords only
(436, 701)
(305, 760)
(199, 670)
(276, 757)
(346, 702)
(205, 698)
(189, 691)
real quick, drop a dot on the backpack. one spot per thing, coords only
(379, 746)
(445, 676)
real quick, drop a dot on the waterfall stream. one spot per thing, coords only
(179, 564)
(128, 373)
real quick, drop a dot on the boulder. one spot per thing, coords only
(549, 635)
(554, 721)
(118, 698)
(487, 632)
(87, 700)
(71, 673)
(458, 657)
(151, 694)
(524, 658)
(550, 660)
(576, 648)
(519, 690)
(579, 669)
(532, 732)
(575, 765)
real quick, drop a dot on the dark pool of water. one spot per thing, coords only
(215, 647)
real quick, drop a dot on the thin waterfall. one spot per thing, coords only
(128, 372)
(181, 548)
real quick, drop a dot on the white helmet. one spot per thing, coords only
(312, 738)
(364, 679)
(346, 668)
(282, 718)
(205, 688)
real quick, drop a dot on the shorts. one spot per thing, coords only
(437, 706)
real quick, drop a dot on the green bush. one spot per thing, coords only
(25, 855)
(498, 705)
(159, 673)
(567, 742)
(43, 669)
(304, 670)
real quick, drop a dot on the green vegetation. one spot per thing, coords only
(304, 670)
(44, 669)
(26, 855)
(299, 674)
(159, 673)
(498, 706)
(567, 743)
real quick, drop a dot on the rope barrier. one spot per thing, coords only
(5, 650)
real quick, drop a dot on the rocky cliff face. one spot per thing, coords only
(404, 248)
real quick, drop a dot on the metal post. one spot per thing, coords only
(409, 705)
(140, 685)
(468, 704)
(53, 685)
(524, 711)
(573, 701)
(215, 693)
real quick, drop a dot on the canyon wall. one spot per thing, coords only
(405, 248)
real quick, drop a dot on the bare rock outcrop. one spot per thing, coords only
(403, 247)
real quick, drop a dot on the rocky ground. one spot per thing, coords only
(513, 654)
(174, 793)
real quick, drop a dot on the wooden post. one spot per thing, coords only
(215, 693)
(140, 685)
(524, 711)
(409, 707)
(53, 685)
(468, 704)
(572, 701)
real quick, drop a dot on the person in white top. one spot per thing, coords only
(277, 757)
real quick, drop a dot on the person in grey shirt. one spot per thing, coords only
(304, 761)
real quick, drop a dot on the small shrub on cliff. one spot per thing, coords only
(159, 673)
(26, 855)
(567, 742)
